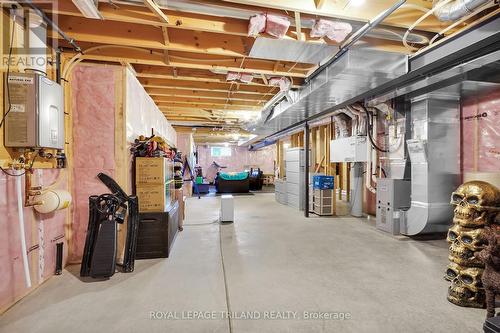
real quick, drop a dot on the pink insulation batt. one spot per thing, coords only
(277, 25)
(481, 127)
(243, 77)
(44, 230)
(94, 103)
(336, 31)
(256, 25)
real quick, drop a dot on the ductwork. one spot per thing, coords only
(456, 9)
(434, 151)
(356, 72)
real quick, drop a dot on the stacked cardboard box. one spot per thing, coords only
(151, 176)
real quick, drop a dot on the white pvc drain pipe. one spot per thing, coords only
(20, 207)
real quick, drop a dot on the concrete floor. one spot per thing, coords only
(276, 261)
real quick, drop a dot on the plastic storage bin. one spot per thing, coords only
(323, 182)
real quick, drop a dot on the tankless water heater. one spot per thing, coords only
(36, 117)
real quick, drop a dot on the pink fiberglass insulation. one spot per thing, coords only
(336, 31)
(42, 230)
(243, 77)
(283, 82)
(274, 25)
(94, 104)
(241, 158)
(256, 25)
(277, 25)
(481, 133)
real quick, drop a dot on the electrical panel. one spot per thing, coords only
(350, 149)
(36, 117)
(393, 195)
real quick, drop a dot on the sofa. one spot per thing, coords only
(238, 182)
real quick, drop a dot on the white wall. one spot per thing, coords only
(142, 114)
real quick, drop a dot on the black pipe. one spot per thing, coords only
(58, 66)
(306, 170)
(54, 26)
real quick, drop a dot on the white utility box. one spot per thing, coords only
(226, 208)
(350, 149)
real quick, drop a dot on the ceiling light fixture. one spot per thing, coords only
(89, 8)
(356, 3)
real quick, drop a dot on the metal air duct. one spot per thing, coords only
(434, 150)
(457, 9)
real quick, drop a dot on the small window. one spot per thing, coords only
(220, 151)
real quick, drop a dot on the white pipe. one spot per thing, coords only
(20, 211)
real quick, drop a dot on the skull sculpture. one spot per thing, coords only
(474, 201)
(466, 288)
(463, 243)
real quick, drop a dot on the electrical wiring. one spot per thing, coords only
(8, 72)
(417, 22)
(369, 127)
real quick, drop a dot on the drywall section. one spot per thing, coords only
(142, 114)
(95, 90)
(241, 158)
(42, 232)
(481, 133)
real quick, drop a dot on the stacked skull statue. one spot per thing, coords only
(476, 206)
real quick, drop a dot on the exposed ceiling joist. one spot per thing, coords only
(203, 100)
(205, 86)
(135, 55)
(205, 94)
(153, 7)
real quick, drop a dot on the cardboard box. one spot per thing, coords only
(152, 198)
(151, 171)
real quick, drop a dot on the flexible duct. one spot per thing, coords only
(340, 127)
(457, 9)
(361, 120)
(354, 121)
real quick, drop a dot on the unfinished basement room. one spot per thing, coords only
(250, 166)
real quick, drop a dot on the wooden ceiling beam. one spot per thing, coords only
(183, 108)
(141, 56)
(177, 19)
(117, 33)
(206, 94)
(213, 101)
(162, 72)
(215, 106)
(204, 86)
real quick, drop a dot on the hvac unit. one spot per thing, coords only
(36, 117)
